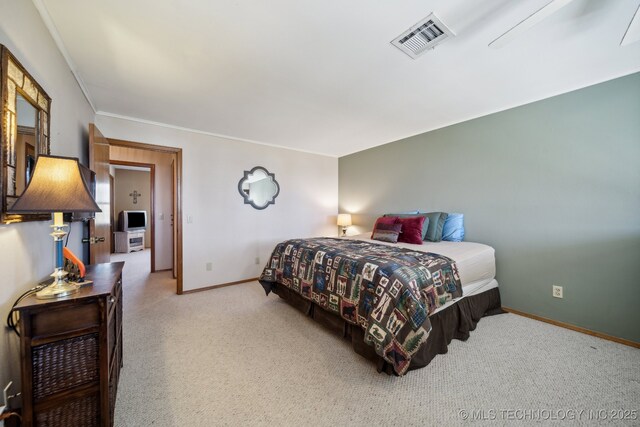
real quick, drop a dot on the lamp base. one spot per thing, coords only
(57, 290)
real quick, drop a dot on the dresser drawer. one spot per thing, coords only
(54, 321)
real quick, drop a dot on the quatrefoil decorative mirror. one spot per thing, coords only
(24, 133)
(259, 187)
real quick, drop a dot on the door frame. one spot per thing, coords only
(112, 208)
(178, 196)
(152, 198)
(173, 218)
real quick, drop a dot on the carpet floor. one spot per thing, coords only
(232, 356)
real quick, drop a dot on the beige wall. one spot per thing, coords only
(126, 182)
(223, 230)
(163, 197)
(26, 250)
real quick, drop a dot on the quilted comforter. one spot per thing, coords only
(388, 291)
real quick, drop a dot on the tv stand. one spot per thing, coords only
(129, 241)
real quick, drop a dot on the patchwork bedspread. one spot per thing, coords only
(388, 291)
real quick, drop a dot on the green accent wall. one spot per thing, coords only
(553, 186)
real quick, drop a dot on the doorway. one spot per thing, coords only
(168, 177)
(102, 152)
(133, 196)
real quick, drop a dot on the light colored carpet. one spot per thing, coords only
(232, 356)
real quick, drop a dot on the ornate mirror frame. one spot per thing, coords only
(15, 80)
(244, 192)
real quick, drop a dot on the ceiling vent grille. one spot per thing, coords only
(423, 36)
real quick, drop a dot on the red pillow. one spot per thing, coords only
(384, 220)
(411, 229)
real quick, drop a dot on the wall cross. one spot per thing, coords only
(135, 196)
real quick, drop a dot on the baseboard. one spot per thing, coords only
(574, 328)
(222, 285)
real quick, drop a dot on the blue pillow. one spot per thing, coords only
(453, 230)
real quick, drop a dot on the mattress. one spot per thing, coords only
(299, 272)
(476, 262)
(471, 289)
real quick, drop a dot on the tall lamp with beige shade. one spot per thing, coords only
(57, 186)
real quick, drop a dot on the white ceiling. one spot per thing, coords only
(321, 75)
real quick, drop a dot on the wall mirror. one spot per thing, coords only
(259, 188)
(24, 133)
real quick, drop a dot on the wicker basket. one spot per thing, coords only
(64, 364)
(78, 412)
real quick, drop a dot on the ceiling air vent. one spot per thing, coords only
(423, 36)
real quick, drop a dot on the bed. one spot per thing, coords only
(441, 291)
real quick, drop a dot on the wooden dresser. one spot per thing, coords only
(71, 352)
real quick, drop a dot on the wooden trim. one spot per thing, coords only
(53, 400)
(143, 146)
(26, 130)
(164, 269)
(152, 177)
(223, 285)
(178, 221)
(46, 339)
(112, 214)
(574, 328)
(178, 195)
(174, 230)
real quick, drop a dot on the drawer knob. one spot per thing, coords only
(112, 299)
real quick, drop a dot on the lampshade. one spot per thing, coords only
(56, 186)
(344, 220)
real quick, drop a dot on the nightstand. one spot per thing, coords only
(129, 241)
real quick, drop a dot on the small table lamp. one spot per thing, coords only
(344, 220)
(56, 187)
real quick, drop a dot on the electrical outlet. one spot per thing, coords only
(209, 266)
(257, 260)
(557, 291)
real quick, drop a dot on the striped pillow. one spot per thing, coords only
(384, 220)
(387, 232)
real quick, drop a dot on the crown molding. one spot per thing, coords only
(203, 132)
(48, 22)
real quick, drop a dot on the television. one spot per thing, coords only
(132, 220)
(89, 177)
